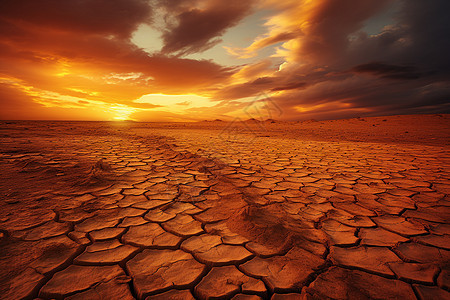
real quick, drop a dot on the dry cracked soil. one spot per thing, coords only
(347, 209)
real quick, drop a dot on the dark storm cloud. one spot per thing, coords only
(247, 89)
(387, 71)
(414, 49)
(263, 80)
(327, 36)
(405, 68)
(418, 39)
(115, 17)
(428, 30)
(195, 26)
(290, 86)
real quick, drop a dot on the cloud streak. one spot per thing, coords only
(383, 70)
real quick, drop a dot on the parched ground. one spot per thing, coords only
(348, 209)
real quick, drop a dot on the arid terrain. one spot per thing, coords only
(343, 209)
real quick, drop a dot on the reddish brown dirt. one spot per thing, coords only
(355, 209)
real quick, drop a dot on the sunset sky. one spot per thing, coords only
(187, 60)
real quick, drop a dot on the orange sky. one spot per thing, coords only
(207, 59)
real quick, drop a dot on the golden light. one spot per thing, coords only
(83, 91)
(122, 112)
(303, 109)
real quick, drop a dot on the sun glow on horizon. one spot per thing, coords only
(122, 112)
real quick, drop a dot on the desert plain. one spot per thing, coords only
(256, 209)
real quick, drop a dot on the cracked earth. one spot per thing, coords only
(102, 211)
